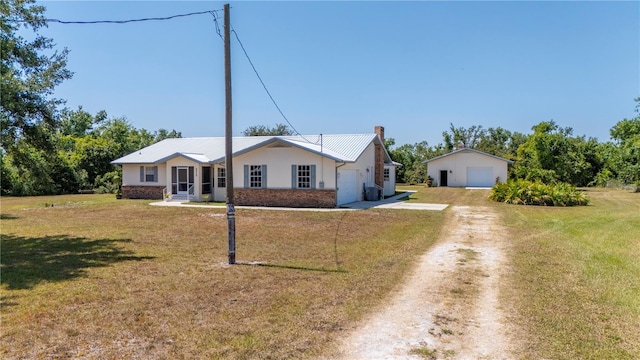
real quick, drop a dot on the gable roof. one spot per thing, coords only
(468, 150)
(341, 148)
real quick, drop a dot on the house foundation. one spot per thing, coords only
(142, 192)
(286, 198)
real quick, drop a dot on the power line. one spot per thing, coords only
(217, 27)
(267, 90)
(215, 20)
(122, 21)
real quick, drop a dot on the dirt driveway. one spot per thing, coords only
(448, 308)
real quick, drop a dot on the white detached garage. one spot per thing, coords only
(467, 167)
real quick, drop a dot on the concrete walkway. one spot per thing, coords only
(394, 202)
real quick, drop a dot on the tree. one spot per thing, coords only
(412, 158)
(79, 123)
(165, 134)
(29, 72)
(551, 154)
(622, 156)
(501, 142)
(468, 138)
(262, 130)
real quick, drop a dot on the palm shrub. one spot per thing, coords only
(525, 192)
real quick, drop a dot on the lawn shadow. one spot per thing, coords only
(27, 261)
(305, 268)
(7, 217)
(8, 300)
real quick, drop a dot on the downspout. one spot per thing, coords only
(343, 164)
(322, 165)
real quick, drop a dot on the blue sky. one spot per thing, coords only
(344, 67)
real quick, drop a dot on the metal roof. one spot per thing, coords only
(469, 150)
(341, 148)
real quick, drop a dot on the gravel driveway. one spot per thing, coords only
(449, 306)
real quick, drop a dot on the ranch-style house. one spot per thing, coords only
(289, 171)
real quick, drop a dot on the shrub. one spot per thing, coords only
(524, 192)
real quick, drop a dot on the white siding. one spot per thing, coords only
(347, 186)
(390, 186)
(197, 171)
(219, 193)
(279, 161)
(131, 175)
(480, 176)
(365, 169)
(456, 166)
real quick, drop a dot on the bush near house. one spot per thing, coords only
(524, 192)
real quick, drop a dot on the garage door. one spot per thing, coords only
(347, 186)
(480, 176)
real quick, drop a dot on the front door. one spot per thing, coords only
(183, 180)
(443, 178)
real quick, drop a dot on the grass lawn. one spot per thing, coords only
(89, 276)
(576, 277)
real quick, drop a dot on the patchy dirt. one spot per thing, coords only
(449, 307)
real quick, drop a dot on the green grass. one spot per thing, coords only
(575, 277)
(424, 352)
(95, 277)
(448, 195)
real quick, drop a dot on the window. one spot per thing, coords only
(255, 176)
(303, 176)
(148, 174)
(386, 174)
(222, 177)
(206, 180)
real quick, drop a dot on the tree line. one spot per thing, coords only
(550, 154)
(46, 148)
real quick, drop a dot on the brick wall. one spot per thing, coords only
(286, 198)
(379, 167)
(142, 192)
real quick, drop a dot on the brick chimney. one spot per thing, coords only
(379, 157)
(379, 130)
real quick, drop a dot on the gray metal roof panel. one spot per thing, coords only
(468, 150)
(343, 148)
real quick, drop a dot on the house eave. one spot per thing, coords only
(468, 150)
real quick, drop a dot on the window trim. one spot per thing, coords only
(148, 171)
(262, 177)
(296, 177)
(222, 179)
(206, 185)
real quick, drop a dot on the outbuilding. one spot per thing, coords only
(467, 168)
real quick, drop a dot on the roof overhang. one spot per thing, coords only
(313, 148)
(468, 150)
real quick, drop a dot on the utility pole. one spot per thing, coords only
(228, 137)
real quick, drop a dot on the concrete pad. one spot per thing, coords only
(394, 202)
(413, 206)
